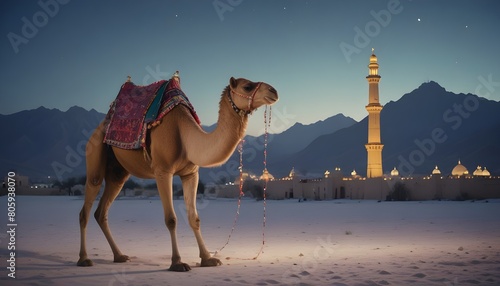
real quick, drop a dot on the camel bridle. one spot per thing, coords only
(250, 99)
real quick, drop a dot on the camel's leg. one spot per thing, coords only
(115, 178)
(190, 186)
(96, 166)
(164, 182)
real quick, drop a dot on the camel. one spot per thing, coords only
(178, 146)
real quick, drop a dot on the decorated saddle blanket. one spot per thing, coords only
(138, 107)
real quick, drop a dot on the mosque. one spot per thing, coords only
(459, 185)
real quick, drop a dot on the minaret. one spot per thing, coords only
(374, 146)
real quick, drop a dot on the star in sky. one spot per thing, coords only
(282, 38)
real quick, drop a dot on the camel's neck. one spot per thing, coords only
(215, 148)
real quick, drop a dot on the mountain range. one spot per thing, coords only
(427, 127)
(37, 142)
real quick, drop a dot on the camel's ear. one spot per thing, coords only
(232, 82)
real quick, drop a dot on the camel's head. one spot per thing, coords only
(246, 96)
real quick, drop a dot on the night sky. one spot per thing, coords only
(60, 53)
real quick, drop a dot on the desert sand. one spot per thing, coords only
(340, 242)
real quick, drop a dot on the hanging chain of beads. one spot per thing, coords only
(240, 151)
(267, 124)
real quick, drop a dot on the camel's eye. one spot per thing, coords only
(248, 87)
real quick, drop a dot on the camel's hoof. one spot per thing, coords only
(121, 258)
(212, 261)
(179, 267)
(85, 262)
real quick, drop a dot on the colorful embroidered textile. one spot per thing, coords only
(126, 120)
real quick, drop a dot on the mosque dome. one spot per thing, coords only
(436, 171)
(244, 176)
(394, 172)
(486, 172)
(353, 173)
(478, 171)
(459, 170)
(266, 176)
(373, 58)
